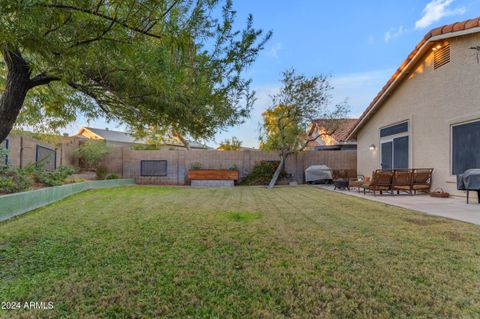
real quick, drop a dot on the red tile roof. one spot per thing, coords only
(344, 127)
(446, 29)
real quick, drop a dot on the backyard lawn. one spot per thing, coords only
(243, 252)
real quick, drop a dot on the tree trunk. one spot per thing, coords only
(16, 88)
(279, 169)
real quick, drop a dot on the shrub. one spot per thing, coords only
(53, 178)
(92, 153)
(262, 173)
(112, 176)
(3, 155)
(196, 165)
(15, 182)
(101, 172)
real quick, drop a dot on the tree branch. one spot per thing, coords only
(42, 79)
(103, 16)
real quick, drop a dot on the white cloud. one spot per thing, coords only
(274, 50)
(394, 33)
(436, 10)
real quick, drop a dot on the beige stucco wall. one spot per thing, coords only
(431, 100)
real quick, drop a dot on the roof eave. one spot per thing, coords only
(421, 51)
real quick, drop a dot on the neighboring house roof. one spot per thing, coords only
(112, 136)
(340, 133)
(123, 137)
(437, 34)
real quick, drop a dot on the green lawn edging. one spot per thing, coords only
(20, 203)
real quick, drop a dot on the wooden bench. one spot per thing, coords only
(213, 174)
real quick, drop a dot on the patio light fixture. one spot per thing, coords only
(372, 147)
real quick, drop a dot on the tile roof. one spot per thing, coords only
(344, 127)
(443, 30)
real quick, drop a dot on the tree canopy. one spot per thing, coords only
(299, 102)
(149, 63)
(233, 144)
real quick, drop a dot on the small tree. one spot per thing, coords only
(93, 152)
(299, 102)
(233, 144)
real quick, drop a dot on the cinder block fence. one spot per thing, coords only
(171, 166)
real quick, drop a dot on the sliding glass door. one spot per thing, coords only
(394, 153)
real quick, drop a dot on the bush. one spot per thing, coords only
(14, 181)
(101, 172)
(53, 178)
(196, 165)
(112, 176)
(92, 153)
(262, 173)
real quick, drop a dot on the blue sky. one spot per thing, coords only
(359, 43)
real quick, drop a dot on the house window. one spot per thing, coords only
(5, 144)
(46, 157)
(394, 146)
(394, 129)
(465, 147)
(153, 168)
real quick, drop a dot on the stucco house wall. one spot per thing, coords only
(432, 101)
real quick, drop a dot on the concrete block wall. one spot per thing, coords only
(180, 161)
(22, 151)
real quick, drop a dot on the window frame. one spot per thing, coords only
(451, 169)
(149, 175)
(391, 138)
(47, 148)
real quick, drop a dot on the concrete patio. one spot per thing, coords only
(453, 207)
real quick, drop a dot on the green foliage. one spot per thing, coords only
(92, 152)
(56, 177)
(299, 102)
(3, 154)
(262, 173)
(153, 63)
(101, 172)
(112, 176)
(233, 144)
(146, 147)
(15, 181)
(196, 165)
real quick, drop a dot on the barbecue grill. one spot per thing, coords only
(318, 174)
(469, 181)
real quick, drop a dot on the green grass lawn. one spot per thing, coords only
(244, 252)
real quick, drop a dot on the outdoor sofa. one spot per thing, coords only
(410, 181)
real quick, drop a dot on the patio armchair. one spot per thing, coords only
(381, 181)
(402, 181)
(422, 180)
(357, 182)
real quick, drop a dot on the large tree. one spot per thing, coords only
(146, 63)
(299, 102)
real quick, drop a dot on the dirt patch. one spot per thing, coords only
(424, 221)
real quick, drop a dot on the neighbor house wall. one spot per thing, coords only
(431, 100)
